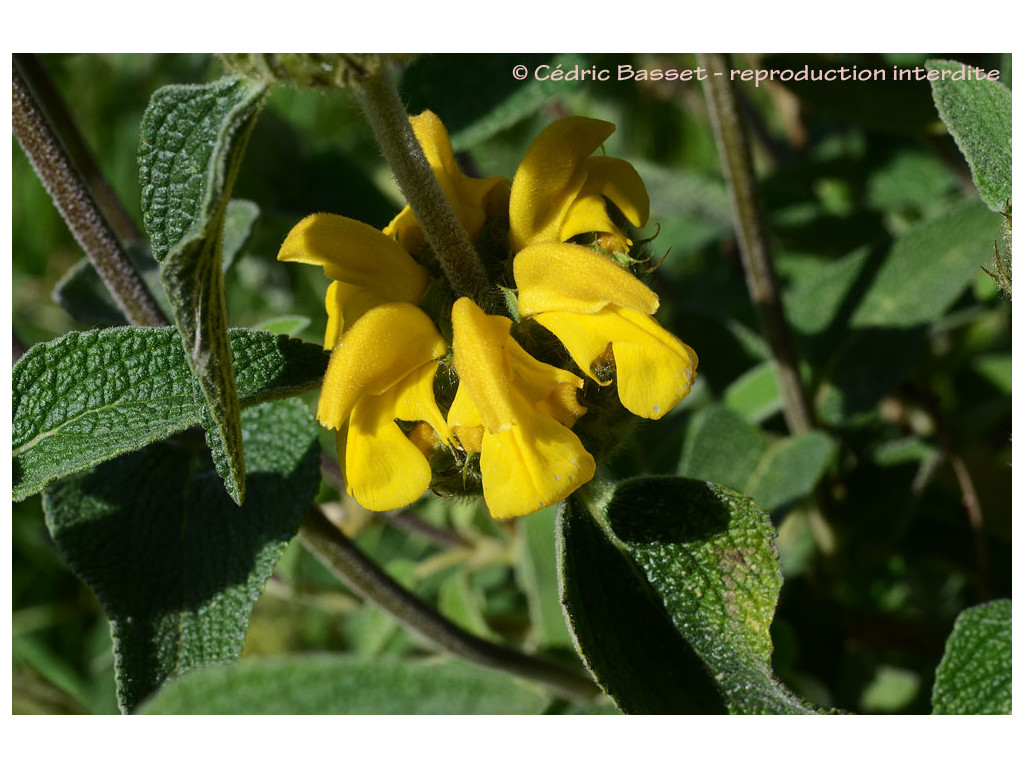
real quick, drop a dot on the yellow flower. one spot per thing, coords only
(516, 413)
(592, 305)
(368, 267)
(383, 359)
(382, 370)
(559, 191)
(471, 199)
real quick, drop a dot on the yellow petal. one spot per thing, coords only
(566, 277)
(532, 465)
(468, 196)
(355, 253)
(345, 304)
(379, 350)
(416, 400)
(405, 228)
(492, 367)
(465, 421)
(383, 469)
(549, 178)
(618, 180)
(654, 369)
(589, 214)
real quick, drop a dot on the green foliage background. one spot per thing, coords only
(879, 235)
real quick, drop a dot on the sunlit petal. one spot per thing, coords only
(654, 369)
(355, 253)
(618, 180)
(530, 466)
(383, 469)
(549, 178)
(383, 347)
(565, 277)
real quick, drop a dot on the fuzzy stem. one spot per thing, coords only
(762, 283)
(447, 237)
(79, 208)
(365, 578)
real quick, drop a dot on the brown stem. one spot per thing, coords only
(448, 239)
(762, 283)
(81, 212)
(974, 520)
(51, 103)
(365, 578)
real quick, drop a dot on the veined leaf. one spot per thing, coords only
(977, 114)
(192, 141)
(975, 674)
(338, 685)
(723, 447)
(87, 397)
(175, 563)
(670, 598)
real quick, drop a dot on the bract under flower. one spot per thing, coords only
(382, 370)
(471, 199)
(591, 304)
(559, 191)
(516, 412)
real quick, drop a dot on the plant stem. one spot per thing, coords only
(972, 506)
(762, 283)
(365, 578)
(63, 124)
(447, 237)
(78, 206)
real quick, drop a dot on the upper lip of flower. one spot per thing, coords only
(559, 190)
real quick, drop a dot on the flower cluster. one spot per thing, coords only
(415, 407)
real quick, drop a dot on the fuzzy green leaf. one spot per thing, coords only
(890, 300)
(191, 144)
(977, 114)
(975, 674)
(336, 685)
(87, 397)
(82, 294)
(238, 222)
(537, 573)
(671, 600)
(928, 268)
(723, 447)
(176, 565)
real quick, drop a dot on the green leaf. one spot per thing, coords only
(928, 268)
(87, 397)
(457, 601)
(238, 221)
(671, 597)
(977, 114)
(790, 469)
(755, 394)
(176, 565)
(891, 303)
(191, 144)
(723, 447)
(975, 674)
(336, 685)
(537, 573)
(82, 294)
(288, 325)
